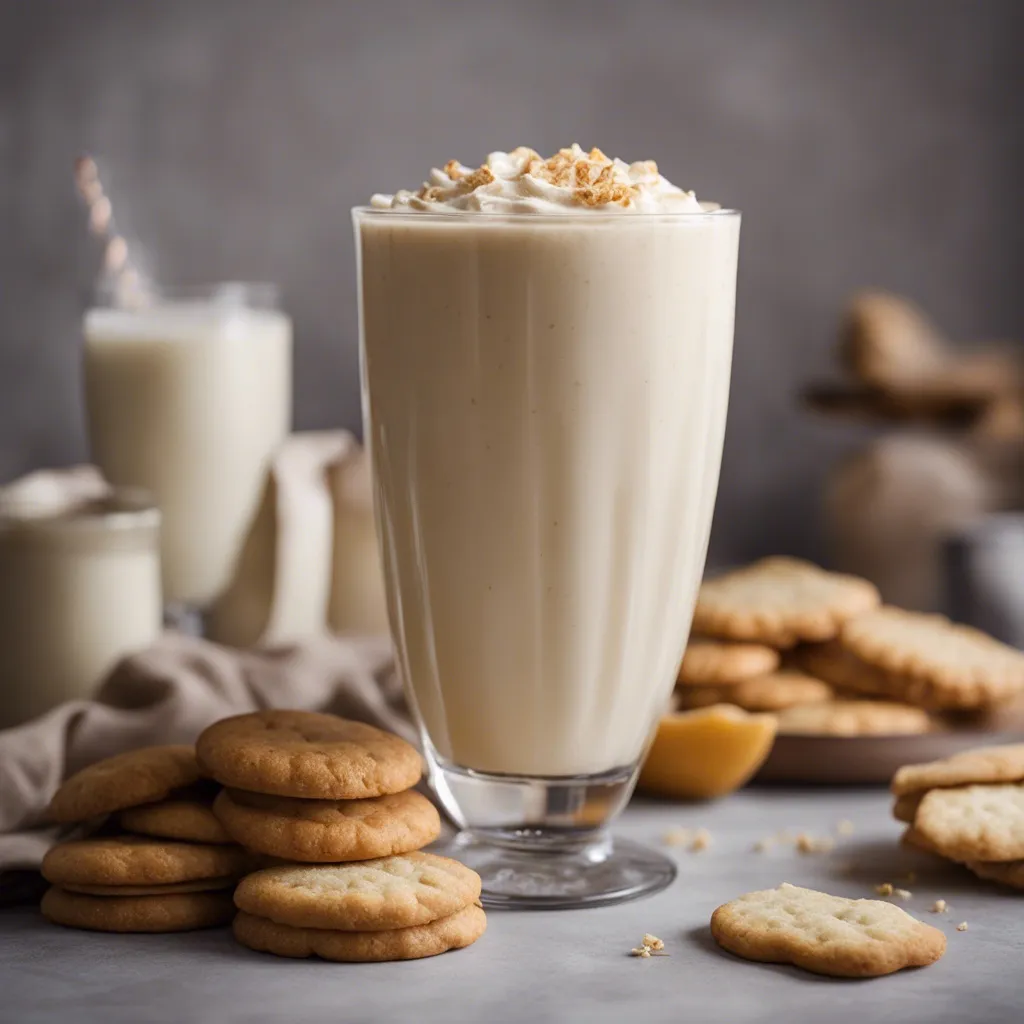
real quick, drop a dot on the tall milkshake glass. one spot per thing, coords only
(545, 401)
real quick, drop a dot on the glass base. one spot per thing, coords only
(542, 843)
(550, 875)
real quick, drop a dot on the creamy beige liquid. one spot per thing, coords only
(190, 401)
(545, 398)
(78, 591)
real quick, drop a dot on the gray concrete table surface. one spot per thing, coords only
(570, 965)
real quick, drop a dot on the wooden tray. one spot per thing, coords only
(867, 760)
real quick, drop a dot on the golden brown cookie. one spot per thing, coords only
(950, 665)
(825, 934)
(718, 662)
(775, 691)
(329, 831)
(456, 931)
(306, 754)
(974, 823)
(200, 885)
(139, 860)
(127, 780)
(178, 912)
(780, 601)
(372, 895)
(1010, 873)
(1004, 763)
(905, 807)
(854, 718)
(189, 820)
(914, 840)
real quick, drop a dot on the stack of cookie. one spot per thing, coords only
(819, 650)
(332, 799)
(968, 808)
(169, 867)
(393, 908)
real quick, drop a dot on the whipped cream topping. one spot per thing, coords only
(572, 181)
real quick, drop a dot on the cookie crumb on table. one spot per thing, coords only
(813, 844)
(902, 894)
(845, 828)
(962, 926)
(939, 907)
(649, 946)
(701, 840)
(885, 889)
(677, 836)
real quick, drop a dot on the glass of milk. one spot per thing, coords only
(188, 397)
(545, 388)
(79, 589)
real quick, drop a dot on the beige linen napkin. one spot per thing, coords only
(309, 562)
(169, 694)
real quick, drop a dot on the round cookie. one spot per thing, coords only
(974, 823)
(200, 885)
(306, 754)
(189, 820)
(709, 662)
(1009, 873)
(138, 860)
(329, 831)
(372, 895)
(994, 764)
(825, 934)
(456, 931)
(178, 912)
(779, 602)
(854, 718)
(127, 780)
(774, 691)
(952, 665)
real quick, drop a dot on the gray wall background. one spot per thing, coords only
(867, 143)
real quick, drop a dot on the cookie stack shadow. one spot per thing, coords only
(820, 651)
(162, 861)
(968, 809)
(313, 847)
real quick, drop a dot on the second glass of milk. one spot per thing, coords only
(189, 396)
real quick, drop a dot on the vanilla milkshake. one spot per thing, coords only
(546, 357)
(189, 399)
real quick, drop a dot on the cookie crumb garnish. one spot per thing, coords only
(939, 907)
(845, 828)
(885, 889)
(962, 926)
